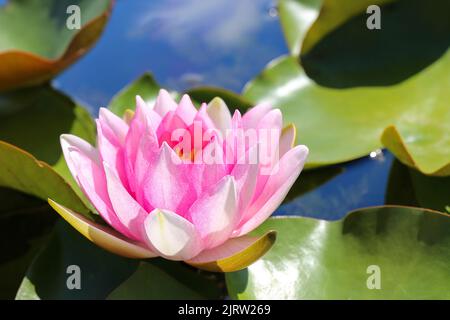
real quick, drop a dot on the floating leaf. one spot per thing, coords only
(36, 44)
(316, 259)
(342, 125)
(423, 142)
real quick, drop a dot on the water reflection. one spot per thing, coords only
(183, 43)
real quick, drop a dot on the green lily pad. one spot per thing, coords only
(296, 16)
(340, 51)
(408, 248)
(32, 120)
(100, 272)
(35, 42)
(162, 279)
(423, 142)
(342, 125)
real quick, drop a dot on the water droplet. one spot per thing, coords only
(377, 154)
(273, 12)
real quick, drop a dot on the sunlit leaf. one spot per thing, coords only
(316, 259)
(342, 125)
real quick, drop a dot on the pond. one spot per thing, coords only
(226, 44)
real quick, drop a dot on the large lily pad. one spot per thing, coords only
(316, 259)
(35, 42)
(341, 125)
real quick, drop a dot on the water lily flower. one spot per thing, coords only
(184, 184)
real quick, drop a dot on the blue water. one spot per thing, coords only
(216, 42)
(362, 183)
(183, 43)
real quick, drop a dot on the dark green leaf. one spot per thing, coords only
(162, 279)
(101, 271)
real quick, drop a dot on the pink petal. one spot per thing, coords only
(168, 127)
(269, 131)
(171, 235)
(252, 117)
(186, 110)
(111, 150)
(164, 103)
(209, 165)
(71, 141)
(276, 189)
(147, 153)
(116, 125)
(129, 212)
(142, 133)
(203, 117)
(91, 179)
(245, 173)
(148, 118)
(166, 185)
(234, 142)
(112, 131)
(214, 214)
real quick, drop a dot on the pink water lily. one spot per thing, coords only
(153, 186)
